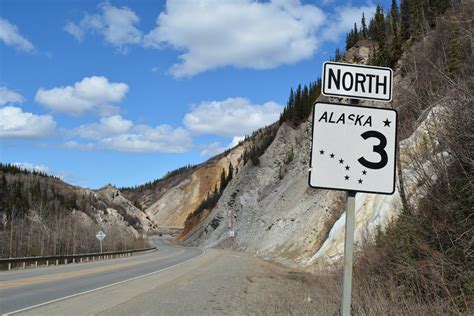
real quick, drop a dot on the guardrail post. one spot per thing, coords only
(24, 265)
(47, 263)
(73, 260)
(9, 266)
(57, 262)
(65, 261)
(36, 264)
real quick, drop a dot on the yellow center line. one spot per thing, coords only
(72, 274)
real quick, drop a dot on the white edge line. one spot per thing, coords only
(103, 287)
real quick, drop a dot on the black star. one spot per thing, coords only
(386, 123)
(346, 177)
(341, 161)
(364, 172)
(332, 155)
(321, 152)
(347, 167)
(360, 181)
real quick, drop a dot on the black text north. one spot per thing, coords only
(357, 82)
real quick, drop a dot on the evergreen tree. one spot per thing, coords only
(337, 55)
(363, 30)
(394, 13)
(405, 22)
(231, 173)
(223, 182)
(454, 56)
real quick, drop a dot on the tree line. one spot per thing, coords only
(41, 215)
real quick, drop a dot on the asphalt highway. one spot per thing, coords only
(24, 290)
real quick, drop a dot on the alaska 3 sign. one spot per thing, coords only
(353, 146)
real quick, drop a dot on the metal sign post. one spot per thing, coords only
(348, 253)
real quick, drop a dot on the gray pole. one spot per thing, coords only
(100, 245)
(348, 253)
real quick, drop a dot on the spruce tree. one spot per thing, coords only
(363, 29)
(454, 56)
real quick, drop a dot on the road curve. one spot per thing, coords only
(27, 289)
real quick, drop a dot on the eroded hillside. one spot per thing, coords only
(169, 201)
(277, 216)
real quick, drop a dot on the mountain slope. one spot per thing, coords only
(42, 215)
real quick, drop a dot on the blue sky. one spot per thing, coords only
(123, 91)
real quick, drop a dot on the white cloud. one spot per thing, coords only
(8, 96)
(162, 138)
(92, 93)
(11, 36)
(231, 117)
(216, 148)
(116, 133)
(74, 30)
(344, 18)
(72, 144)
(116, 25)
(32, 167)
(211, 149)
(235, 141)
(14, 123)
(107, 126)
(239, 33)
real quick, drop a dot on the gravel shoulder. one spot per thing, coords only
(231, 283)
(220, 282)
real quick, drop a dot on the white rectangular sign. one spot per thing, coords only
(357, 81)
(353, 148)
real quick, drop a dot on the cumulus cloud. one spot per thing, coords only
(72, 144)
(14, 123)
(216, 148)
(231, 117)
(116, 25)
(107, 126)
(162, 138)
(344, 18)
(92, 93)
(8, 96)
(10, 35)
(32, 167)
(117, 133)
(240, 33)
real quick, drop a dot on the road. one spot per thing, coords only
(27, 290)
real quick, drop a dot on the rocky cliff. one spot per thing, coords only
(277, 216)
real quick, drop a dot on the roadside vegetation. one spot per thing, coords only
(41, 215)
(423, 262)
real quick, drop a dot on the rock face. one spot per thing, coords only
(169, 202)
(122, 210)
(276, 215)
(174, 206)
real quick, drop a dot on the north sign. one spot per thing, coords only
(357, 81)
(353, 148)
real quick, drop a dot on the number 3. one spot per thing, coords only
(379, 149)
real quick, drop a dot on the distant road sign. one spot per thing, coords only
(357, 81)
(100, 235)
(353, 148)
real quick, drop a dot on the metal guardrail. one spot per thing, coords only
(24, 262)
